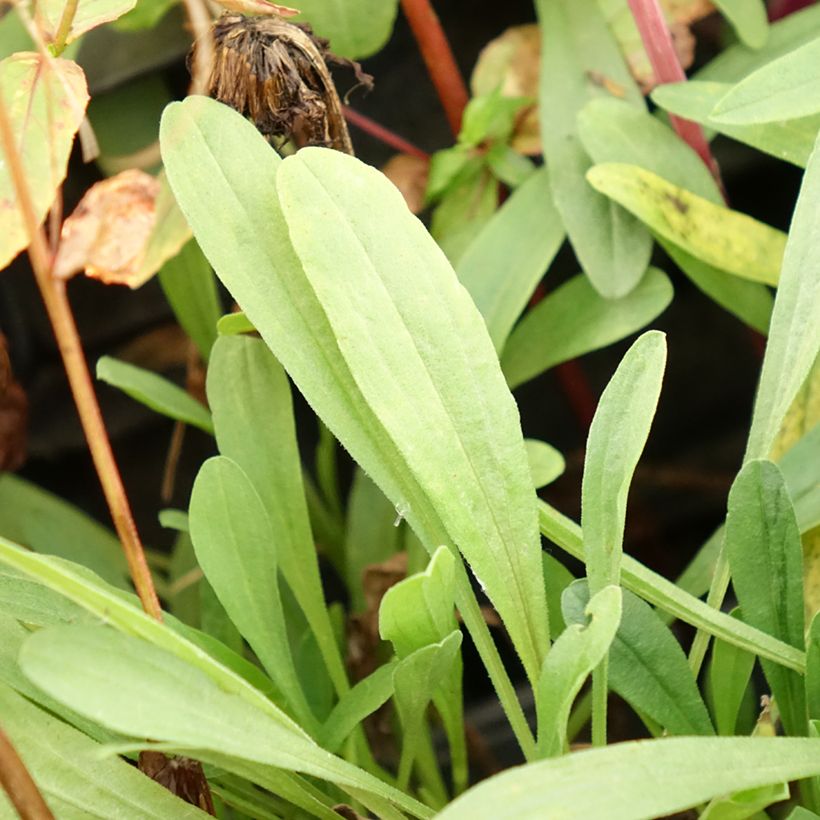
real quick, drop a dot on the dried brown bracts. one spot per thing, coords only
(275, 72)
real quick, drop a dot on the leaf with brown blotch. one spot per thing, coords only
(45, 101)
(122, 231)
(88, 15)
(409, 174)
(13, 415)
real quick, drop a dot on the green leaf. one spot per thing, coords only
(490, 118)
(647, 666)
(233, 539)
(355, 28)
(785, 89)
(155, 392)
(232, 324)
(245, 385)
(794, 335)
(371, 535)
(765, 556)
(748, 18)
(13, 34)
(47, 524)
(546, 463)
(190, 289)
(790, 140)
(362, 700)
(88, 15)
(579, 649)
(645, 778)
(729, 674)
(208, 149)
(801, 813)
(616, 439)
(813, 668)
(574, 319)
(612, 247)
(746, 803)
(415, 680)
(145, 15)
(662, 593)
(73, 779)
(103, 674)
(503, 264)
(727, 239)
(556, 579)
(45, 102)
(36, 605)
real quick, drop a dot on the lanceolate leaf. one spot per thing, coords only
(574, 319)
(785, 89)
(45, 101)
(726, 239)
(235, 546)
(645, 778)
(616, 440)
(505, 262)
(611, 245)
(729, 674)
(765, 556)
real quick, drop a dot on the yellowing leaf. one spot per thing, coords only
(89, 14)
(45, 101)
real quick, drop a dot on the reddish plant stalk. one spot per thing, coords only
(660, 49)
(383, 134)
(783, 8)
(59, 312)
(439, 59)
(19, 784)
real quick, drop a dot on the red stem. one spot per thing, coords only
(783, 8)
(439, 59)
(667, 68)
(383, 134)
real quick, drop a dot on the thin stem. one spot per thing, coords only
(383, 134)
(660, 49)
(600, 687)
(19, 784)
(717, 592)
(439, 59)
(64, 29)
(68, 340)
(200, 20)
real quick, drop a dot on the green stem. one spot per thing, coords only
(429, 772)
(600, 689)
(64, 29)
(580, 716)
(717, 592)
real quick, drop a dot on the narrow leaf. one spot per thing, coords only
(729, 675)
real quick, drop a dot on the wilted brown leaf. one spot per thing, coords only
(13, 415)
(122, 231)
(409, 174)
(182, 776)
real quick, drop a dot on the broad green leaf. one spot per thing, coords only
(504, 263)
(215, 621)
(235, 546)
(89, 14)
(638, 779)
(45, 102)
(785, 89)
(746, 803)
(668, 597)
(546, 463)
(616, 439)
(71, 776)
(190, 289)
(354, 706)
(415, 680)
(613, 131)
(355, 29)
(579, 649)
(647, 666)
(371, 535)
(748, 18)
(102, 673)
(574, 319)
(729, 673)
(418, 612)
(763, 547)
(727, 239)
(794, 335)
(790, 140)
(245, 385)
(47, 524)
(448, 410)
(611, 245)
(154, 391)
(208, 149)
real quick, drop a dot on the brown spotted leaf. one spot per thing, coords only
(45, 101)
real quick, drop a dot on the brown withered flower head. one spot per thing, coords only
(275, 73)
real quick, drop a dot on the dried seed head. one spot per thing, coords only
(275, 72)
